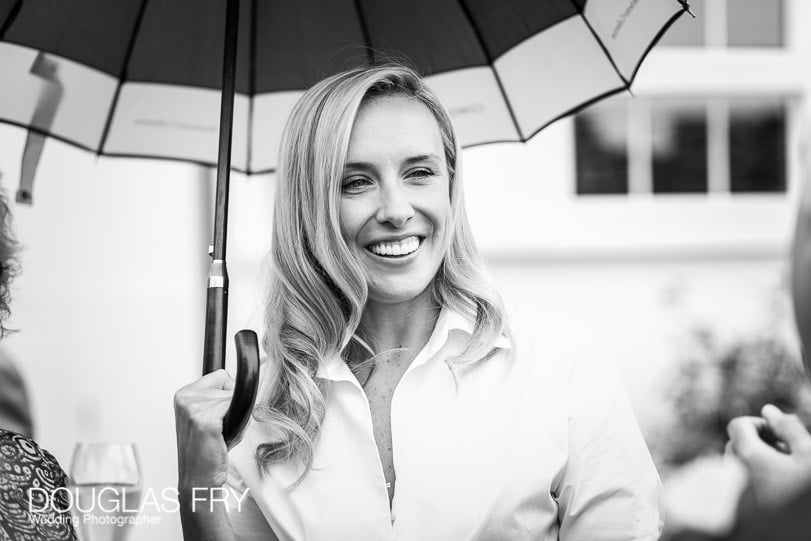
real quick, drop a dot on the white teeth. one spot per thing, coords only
(402, 247)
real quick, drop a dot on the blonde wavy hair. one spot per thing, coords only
(317, 288)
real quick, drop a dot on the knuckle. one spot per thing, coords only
(733, 426)
(746, 453)
(181, 397)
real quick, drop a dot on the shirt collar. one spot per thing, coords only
(456, 321)
(334, 368)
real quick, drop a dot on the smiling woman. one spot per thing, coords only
(398, 401)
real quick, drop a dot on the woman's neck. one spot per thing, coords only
(405, 325)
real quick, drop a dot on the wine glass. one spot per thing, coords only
(106, 485)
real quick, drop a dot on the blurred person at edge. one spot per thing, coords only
(776, 505)
(15, 410)
(23, 464)
(390, 363)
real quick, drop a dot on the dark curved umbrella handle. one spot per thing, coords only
(247, 377)
(245, 387)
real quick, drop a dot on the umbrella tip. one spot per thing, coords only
(686, 6)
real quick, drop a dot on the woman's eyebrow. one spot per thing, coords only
(368, 166)
(359, 165)
(422, 158)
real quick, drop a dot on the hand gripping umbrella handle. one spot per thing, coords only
(247, 377)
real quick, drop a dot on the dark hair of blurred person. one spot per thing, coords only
(9, 267)
(15, 411)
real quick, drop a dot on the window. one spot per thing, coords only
(602, 150)
(678, 131)
(757, 143)
(729, 23)
(682, 145)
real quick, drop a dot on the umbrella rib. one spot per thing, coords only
(685, 9)
(580, 12)
(251, 88)
(491, 65)
(364, 29)
(12, 16)
(121, 76)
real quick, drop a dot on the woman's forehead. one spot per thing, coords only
(394, 125)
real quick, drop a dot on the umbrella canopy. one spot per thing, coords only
(142, 78)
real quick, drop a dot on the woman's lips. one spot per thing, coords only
(398, 248)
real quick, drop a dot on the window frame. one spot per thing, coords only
(639, 148)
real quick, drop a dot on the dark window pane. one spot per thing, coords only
(755, 23)
(757, 145)
(687, 31)
(602, 149)
(679, 146)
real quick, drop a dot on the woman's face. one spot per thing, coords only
(395, 197)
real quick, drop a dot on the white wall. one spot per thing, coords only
(110, 303)
(108, 306)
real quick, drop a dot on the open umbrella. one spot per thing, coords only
(142, 78)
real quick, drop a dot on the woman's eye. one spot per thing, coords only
(354, 185)
(420, 173)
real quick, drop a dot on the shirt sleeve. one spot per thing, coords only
(247, 520)
(610, 489)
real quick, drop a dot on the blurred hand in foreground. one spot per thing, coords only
(776, 472)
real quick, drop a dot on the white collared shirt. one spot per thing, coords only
(537, 442)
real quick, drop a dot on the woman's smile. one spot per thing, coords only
(396, 248)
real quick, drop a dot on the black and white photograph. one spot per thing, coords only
(405, 270)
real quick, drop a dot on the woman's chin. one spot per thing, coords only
(398, 293)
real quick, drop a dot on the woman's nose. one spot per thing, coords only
(395, 207)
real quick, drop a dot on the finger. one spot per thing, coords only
(744, 439)
(205, 416)
(216, 409)
(787, 427)
(219, 379)
(194, 408)
(196, 398)
(228, 383)
(208, 396)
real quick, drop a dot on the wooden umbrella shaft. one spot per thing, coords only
(217, 294)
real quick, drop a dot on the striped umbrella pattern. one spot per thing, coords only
(142, 77)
